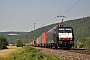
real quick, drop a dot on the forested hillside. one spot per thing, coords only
(80, 26)
(11, 38)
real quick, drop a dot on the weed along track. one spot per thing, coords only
(67, 54)
(29, 53)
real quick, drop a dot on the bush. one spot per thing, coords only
(19, 43)
(3, 42)
(87, 43)
(29, 53)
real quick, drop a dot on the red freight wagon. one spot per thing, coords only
(44, 38)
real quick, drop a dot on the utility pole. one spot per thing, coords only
(29, 37)
(34, 31)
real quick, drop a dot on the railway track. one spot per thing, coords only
(72, 54)
(75, 50)
(82, 51)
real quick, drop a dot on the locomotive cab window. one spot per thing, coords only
(65, 31)
(68, 30)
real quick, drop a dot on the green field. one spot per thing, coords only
(28, 53)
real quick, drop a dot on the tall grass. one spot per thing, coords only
(29, 53)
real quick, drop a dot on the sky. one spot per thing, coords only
(20, 15)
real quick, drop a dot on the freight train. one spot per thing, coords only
(57, 37)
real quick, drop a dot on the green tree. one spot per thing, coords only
(87, 42)
(19, 43)
(3, 42)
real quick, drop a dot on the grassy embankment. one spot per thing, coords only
(4, 53)
(29, 53)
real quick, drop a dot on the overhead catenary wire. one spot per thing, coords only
(66, 6)
(68, 9)
(62, 10)
(71, 7)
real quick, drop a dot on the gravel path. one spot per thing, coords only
(64, 54)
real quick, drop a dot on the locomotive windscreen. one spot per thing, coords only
(65, 31)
